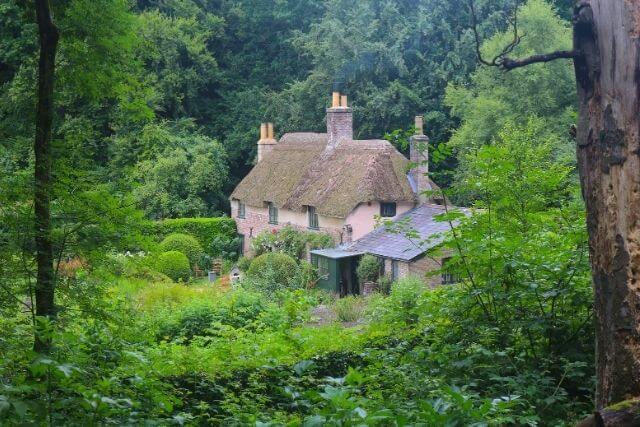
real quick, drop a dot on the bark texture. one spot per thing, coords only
(608, 77)
(45, 281)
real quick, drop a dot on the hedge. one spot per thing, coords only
(203, 229)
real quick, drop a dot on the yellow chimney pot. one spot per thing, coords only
(263, 131)
(335, 101)
(343, 101)
(419, 125)
(270, 131)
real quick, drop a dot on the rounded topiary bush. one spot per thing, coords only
(184, 243)
(272, 270)
(175, 265)
(368, 268)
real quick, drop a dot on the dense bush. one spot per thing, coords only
(175, 265)
(368, 268)
(205, 230)
(134, 266)
(184, 243)
(272, 271)
(222, 246)
(244, 263)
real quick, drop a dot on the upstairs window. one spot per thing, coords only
(241, 209)
(273, 214)
(313, 218)
(387, 210)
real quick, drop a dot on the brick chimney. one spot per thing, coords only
(339, 121)
(419, 156)
(267, 140)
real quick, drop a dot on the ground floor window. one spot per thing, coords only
(241, 243)
(381, 262)
(395, 270)
(447, 277)
(322, 264)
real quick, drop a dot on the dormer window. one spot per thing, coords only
(313, 218)
(273, 213)
(241, 209)
(387, 210)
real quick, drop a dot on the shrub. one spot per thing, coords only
(349, 308)
(368, 269)
(244, 263)
(224, 247)
(175, 265)
(272, 270)
(205, 318)
(184, 243)
(203, 229)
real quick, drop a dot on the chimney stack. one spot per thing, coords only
(339, 121)
(267, 140)
(419, 156)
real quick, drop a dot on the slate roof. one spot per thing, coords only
(385, 242)
(300, 172)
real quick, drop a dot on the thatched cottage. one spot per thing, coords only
(329, 182)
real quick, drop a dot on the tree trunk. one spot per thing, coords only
(45, 282)
(606, 35)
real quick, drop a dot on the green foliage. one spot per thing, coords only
(184, 243)
(349, 308)
(175, 265)
(368, 268)
(212, 233)
(495, 98)
(202, 319)
(157, 105)
(184, 179)
(290, 241)
(272, 271)
(244, 263)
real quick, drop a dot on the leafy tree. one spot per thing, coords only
(186, 177)
(523, 255)
(493, 99)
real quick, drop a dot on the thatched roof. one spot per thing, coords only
(299, 172)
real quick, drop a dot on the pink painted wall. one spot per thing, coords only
(363, 218)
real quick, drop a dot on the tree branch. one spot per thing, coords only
(510, 64)
(501, 60)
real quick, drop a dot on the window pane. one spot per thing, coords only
(273, 214)
(387, 209)
(313, 217)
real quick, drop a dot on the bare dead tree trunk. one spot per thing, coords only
(606, 34)
(45, 282)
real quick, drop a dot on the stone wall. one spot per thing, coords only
(424, 265)
(418, 268)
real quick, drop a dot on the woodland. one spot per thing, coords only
(126, 124)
